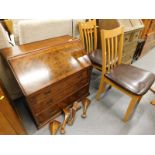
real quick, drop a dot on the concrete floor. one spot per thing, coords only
(105, 116)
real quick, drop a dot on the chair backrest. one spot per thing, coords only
(88, 35)
(112, 46)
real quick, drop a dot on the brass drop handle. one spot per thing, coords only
(1, 98)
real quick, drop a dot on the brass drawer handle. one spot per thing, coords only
(1, 98)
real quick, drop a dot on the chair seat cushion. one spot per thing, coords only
(96, 57)
(133, 79)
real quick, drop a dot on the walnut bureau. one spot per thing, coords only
(51, 76)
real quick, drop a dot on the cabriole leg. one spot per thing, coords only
(67, 115)
(75, 108)
(86, 102)
(54, 126)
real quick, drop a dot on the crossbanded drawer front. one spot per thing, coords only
(37, 108)
(46, 115)
(78, 95)
(57, 92)
(49, 112)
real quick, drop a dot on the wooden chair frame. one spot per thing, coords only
(153, 90)
(112, 46)
(88, 36)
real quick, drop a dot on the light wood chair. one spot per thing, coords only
(88, 36)
(131, 80)
(153, 90)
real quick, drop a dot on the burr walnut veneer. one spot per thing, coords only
(52, 74)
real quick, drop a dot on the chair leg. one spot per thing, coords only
(133, 103)
(153, 90)
(101, 89)
(153, 102)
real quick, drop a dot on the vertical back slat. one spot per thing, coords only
(88, 35)
(86, 39)
(115, 51)
(120, 49)
(108, 54)
(91, 39)
(113, 47)
(104, 53)
(95, 37)
(112, 53)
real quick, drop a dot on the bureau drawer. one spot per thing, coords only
(83, 92)
(47, 114)
(38, 108)
(51, 111)
(57, 92)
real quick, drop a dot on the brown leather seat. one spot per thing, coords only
(131, 78)
(96, 57)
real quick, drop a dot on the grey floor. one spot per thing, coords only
(105, 116)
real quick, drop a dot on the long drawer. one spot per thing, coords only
(52, 111)
(57, 92)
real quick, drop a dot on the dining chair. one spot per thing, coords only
(153, 90)
(88, 36)
(133, 81)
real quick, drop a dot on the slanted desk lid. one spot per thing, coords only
(42, 68)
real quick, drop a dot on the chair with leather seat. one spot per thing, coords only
(131, 80)
(88, 36)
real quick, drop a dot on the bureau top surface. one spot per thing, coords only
(8, 53)
(37, 70)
